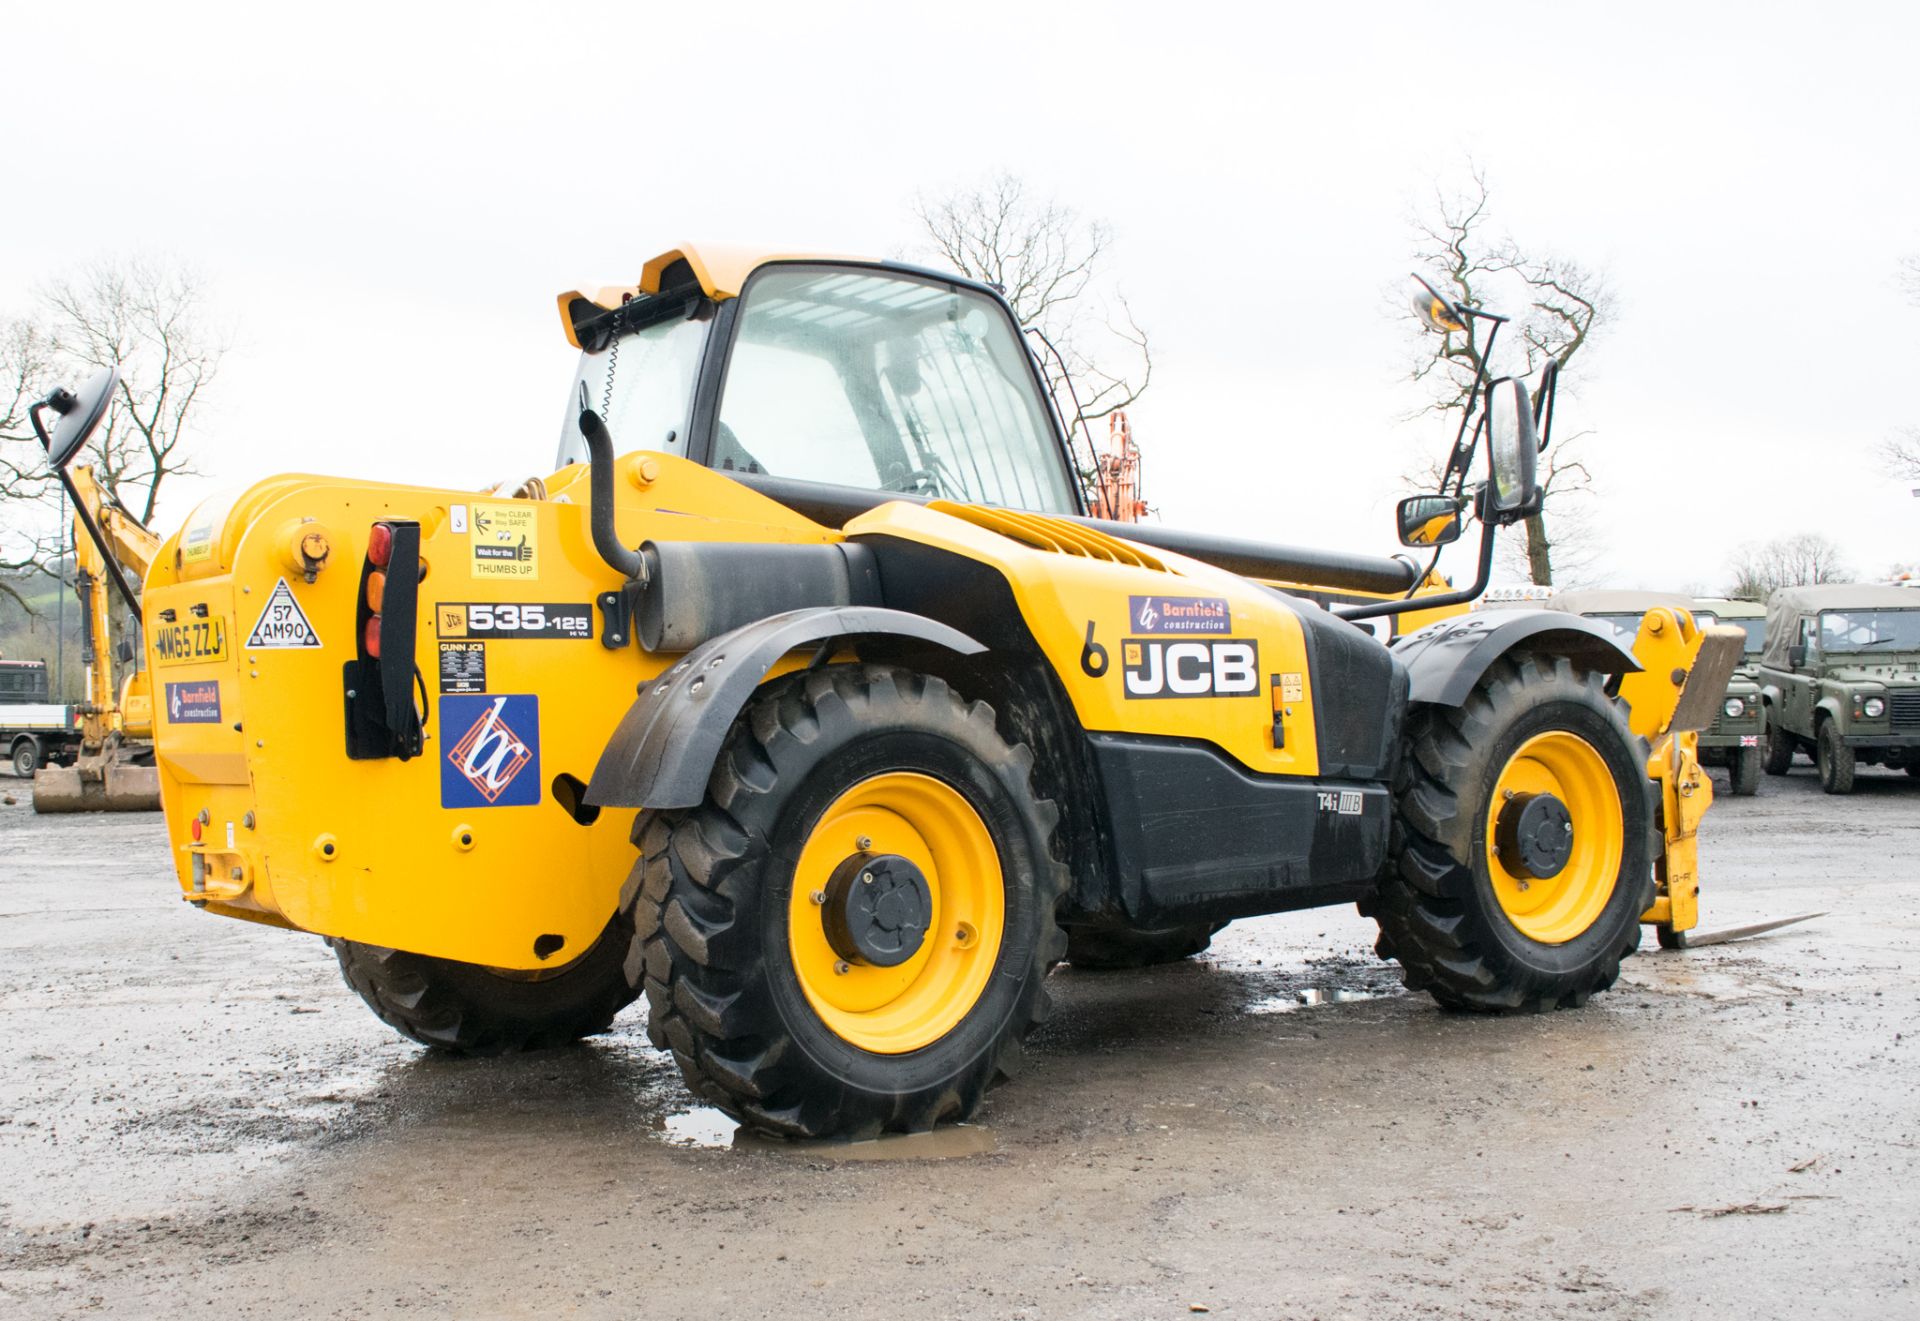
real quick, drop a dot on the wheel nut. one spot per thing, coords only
(864, 843)
(840, 968)
(866, 878)
(819, 897)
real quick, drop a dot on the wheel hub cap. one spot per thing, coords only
(1535, 835)
(877, 909)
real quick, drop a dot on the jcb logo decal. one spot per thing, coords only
(1221, 667)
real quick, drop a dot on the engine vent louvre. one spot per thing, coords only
(1051, 534)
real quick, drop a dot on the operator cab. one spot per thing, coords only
(856, 375)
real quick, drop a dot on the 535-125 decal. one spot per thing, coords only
(508, 619)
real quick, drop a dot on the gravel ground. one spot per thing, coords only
(196, 1115)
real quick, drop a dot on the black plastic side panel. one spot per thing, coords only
(1359, 694)
(1195, 837)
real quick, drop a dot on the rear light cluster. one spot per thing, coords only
(379, 554)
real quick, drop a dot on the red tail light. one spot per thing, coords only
(380, 545)
(373, 636)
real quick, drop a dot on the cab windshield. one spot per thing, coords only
(886, 382)
(1870, 630)
(653, 370)
(1756, 631)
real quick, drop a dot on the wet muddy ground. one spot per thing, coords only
(196, 1115)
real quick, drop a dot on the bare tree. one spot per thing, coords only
(1561, 306)
(1049, 260)
(1795, 561)
(148, 320)
(1901, 452)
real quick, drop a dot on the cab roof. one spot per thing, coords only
(1841, 596)
(720, 270)
(1726, 607)
(1613, 601)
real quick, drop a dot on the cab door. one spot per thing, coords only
(1800, 687)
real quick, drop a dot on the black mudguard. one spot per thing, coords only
(1445, 660)
(665, 748)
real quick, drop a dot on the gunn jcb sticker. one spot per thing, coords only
(1218, 667)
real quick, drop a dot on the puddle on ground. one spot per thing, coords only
(1306, 997)
(705, 1128)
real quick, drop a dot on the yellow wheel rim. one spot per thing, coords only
(1558, 908)
(890, 1011)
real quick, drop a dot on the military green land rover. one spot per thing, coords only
(1737, 734)
(1734, 738)
(1840, 677)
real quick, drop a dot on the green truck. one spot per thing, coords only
(1840, 676)
(1735, 737)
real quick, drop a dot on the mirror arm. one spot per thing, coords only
(94, 534)
(1400, 606)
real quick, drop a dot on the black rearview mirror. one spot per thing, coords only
(1513, 450)
(1797, 656)
(1429, 520)
(79, 412)
(1436, 311)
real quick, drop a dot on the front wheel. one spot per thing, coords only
(26, 758)
(1744, 772)
(1779, 758)
(1523, 843)
(850, 935)
(1833, 759)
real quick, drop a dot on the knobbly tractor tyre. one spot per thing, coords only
(473, 1010)
(1523, 845)
(1833, 759)
(1113, 949)
(1743, 772)
(850, 935)
(1779, 758)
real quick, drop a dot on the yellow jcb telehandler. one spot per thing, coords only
(805, 698)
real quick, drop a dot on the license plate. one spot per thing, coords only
(190, 643)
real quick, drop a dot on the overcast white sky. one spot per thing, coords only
(385, 199)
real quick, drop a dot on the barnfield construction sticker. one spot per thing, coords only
(506, 541)
(282, 624)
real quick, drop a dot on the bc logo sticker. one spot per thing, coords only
(1179, 614)
(194, 703)
(494, 758)
(1226, 667)
(506, 541)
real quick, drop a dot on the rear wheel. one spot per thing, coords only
(474, 1010)
(850, 935)
(26, 757)
(1779, 757)
(1106, 949)
(1523, 842)
(1744, 772)
(1834, 759)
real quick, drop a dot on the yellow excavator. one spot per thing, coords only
(114, 770)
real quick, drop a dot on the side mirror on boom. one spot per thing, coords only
(78, 412)
(1429, 520)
